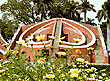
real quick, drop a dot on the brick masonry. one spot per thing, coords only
(65, 30)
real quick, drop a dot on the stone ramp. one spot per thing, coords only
(55, 45)
(98, 56)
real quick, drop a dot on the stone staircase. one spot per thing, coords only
(98, 56)
(56, 35)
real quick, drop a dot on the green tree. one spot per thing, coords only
(105, 13)
(103, 26)
(64, 8)
(22, 12)
(90, 21)
(8, 28)
(31, 11)
(18, 12)
(86, 6)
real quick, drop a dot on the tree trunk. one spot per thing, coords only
(85, 16)
(108, 35)
(79, 18)
(0, 31)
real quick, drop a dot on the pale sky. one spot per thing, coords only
(1, 2)
(98, 6)
(96, 3)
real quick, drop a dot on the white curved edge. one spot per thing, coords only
(70, 43)
(15, 35)
(102, 40)
(38, 31)
(66, 46)
(53, 31)
(83, 37)
(83, 46)
(44, 42)
(39, 46)
(3, 39)
(2, 51)
(12, 40)
(35, 26)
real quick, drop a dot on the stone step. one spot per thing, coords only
(98, 53)
(56, 35)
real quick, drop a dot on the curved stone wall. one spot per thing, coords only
(66, 27)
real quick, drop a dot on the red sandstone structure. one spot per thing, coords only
(59, 27)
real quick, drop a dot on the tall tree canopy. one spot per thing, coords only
(27, 12)
(105, 13)
(6, 29)
(18, 12)
(86, 6)
(31, 11)
(66, 9)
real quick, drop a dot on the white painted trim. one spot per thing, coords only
(35, 44)
(38, 46)
(33, 27)
(13, 39)
(3, 39)
(41, 46)
(83, 46)
(2, 51)
(83, 37)
(53, 31)
(37, 31)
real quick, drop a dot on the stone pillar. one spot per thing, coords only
(108, 37)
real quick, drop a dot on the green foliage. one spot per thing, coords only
(86, 6)
(7, 29)
(104, 29)
(90, 21)
(104, 12)
(65, 9)
(18, 68)
(31, 11)
(20, 10)
(25, 12)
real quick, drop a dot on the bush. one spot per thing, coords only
(48, 68)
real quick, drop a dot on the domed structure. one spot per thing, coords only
(61, 33)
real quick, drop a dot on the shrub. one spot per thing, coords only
(48, 68)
